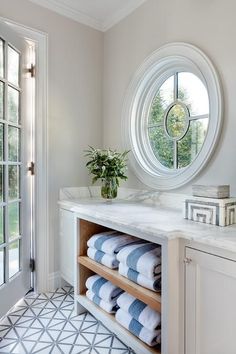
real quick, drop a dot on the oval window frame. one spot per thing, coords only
(160, 65)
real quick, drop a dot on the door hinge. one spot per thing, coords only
(31, 70)
(31, 168)
(32, 264)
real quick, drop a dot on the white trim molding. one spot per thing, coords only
(67, 10)
(41, 234)
(160, 65)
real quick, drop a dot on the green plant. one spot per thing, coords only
(107, 164)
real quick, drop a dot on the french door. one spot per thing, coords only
(15, 179)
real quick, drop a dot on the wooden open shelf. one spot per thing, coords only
(110, 322)
(149, 297)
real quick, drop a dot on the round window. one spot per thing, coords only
(178, 120)
(172, 116)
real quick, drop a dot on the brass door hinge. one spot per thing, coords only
(31, 168)
(31, 70)
(32, 264)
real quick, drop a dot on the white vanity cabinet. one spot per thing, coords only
(210, 300)
(67, 245)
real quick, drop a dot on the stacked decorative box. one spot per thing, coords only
(211, 205)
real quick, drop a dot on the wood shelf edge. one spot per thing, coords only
(147, 296)
(109, 321)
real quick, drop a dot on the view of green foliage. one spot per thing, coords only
(162, 145)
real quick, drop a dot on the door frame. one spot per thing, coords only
(40, 245)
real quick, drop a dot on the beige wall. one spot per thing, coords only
(75, 78)
(208, 24)
(77, 70)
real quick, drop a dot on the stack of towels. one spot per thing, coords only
(103, 293)
(139, 319)
(141, 263)
(104, 247)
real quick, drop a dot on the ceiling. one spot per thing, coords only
(99, 14)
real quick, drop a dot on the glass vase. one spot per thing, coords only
(109, 188)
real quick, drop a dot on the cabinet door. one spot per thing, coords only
(210, 304)
(67, 245)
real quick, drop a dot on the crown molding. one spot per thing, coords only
(64, 9)
(70, 12)
(120, 15)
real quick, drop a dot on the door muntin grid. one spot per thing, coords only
(10, 162)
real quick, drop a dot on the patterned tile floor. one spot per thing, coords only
(46, 324)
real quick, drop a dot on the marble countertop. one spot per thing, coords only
(151, 216)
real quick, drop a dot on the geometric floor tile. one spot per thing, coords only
(46, 324)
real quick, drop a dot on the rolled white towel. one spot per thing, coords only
(151, 338)
(141, 312)
(138, 278)
(143, 258)
(110, 307)
(110, 242)
(102, 288)
(103, 258)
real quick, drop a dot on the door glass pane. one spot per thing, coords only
(13, 144)
(13, 66)
(13, 105)
(14, 258)
(1, 226)
(1, 100)
(1, 182)
(1, 57)
(1, 141)
(14, 180)
(2, 252)
(14, 220)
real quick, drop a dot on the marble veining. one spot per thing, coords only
(156, 219)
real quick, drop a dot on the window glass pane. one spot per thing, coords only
(14, 182)
(13, 66)
(193, 93)
(1, 182)
(161, 101)
(162, 146)
(2, 253)
(14, 258)
(13, 144)
(14, 220)
(1, 142)
(191, 144)
(1, 226)
(13, 105)
(176, 121)
(1, 100)
(1, 58)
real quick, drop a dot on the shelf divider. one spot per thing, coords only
(149, 297)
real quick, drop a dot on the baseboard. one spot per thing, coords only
(54, 281)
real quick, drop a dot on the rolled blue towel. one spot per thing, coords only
(108, 306)
(103, 288)
(144, 258)
(151, 338)
(138, 278)
(103, 258)
(141, 312)
(110, 242)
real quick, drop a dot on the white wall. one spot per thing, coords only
(75, 79)
(208, 24)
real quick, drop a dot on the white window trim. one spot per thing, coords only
(41, 234)
(151, 74)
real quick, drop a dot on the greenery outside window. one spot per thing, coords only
(172, 116)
